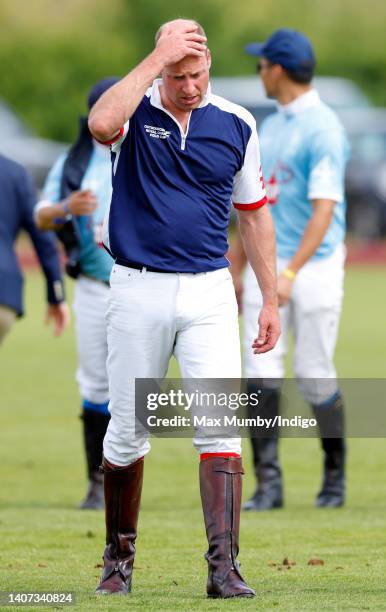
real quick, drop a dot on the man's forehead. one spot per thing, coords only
(189, 64)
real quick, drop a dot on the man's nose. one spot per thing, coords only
(189, 87)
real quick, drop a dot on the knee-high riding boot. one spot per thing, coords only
(331, 425)
(123, 488)
(94, 429)
(269, 491)
(220, 486)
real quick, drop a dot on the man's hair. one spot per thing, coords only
(303, 78)
(200, 29)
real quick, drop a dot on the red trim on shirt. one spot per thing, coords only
(117, 137)
(225, 455)
(251, 206)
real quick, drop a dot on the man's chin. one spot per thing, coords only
(189, 105)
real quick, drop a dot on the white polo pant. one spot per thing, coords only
(313, 313)
(152, 316)
(90, 305)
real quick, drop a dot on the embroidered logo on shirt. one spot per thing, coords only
(157, 132)
(272, 189)
(282, 174)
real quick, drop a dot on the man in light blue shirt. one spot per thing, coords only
(76, 196)
(304, 152)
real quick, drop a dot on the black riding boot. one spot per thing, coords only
(269, 492)
(331, 425)
(94, 429)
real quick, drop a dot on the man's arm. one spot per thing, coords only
(313, 235)
(238, 260)
(258, 236)
(115, 107)
(51, 216)
(45, 246)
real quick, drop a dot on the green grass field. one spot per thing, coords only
(48, 545)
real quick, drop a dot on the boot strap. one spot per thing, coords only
(119, 566)
(229, 466)
(233, 566)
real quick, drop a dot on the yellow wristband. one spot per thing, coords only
(289, 274)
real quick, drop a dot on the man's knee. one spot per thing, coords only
(122, 446)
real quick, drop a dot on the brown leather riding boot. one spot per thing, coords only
(123, 488)
(220, 486)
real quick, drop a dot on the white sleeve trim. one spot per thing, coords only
(248, 183)
(115, 147)
(320, 195)
(41, 204)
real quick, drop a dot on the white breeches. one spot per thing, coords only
(313, 313)
(90, 305)
(152, 316)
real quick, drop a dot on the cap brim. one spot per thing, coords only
(254, 48)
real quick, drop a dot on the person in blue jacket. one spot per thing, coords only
(17, 203)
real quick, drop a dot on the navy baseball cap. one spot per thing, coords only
(99, 88)
(289, 48)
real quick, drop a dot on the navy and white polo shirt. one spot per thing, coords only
(172, 192)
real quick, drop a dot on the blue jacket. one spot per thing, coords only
(17, 201)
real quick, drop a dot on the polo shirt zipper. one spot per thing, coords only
(183, 134)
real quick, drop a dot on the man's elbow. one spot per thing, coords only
(250, 220)
(99, 128)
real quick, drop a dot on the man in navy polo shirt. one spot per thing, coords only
(180, 156)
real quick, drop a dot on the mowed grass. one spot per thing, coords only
(49, 545)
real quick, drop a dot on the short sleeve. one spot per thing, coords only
(248, 184)
(328, 158)
(116, 143)
(51, 188)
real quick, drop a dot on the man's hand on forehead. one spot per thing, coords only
(178, 39)
(178, 25)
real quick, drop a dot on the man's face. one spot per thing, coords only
(185, 83)
(269, 76)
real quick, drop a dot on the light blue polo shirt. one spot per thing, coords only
(94, 259)
(304, 152)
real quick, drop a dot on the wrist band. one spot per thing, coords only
(65, 207)
(290, 274)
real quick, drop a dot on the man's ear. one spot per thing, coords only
(209, 58)
(278, 70)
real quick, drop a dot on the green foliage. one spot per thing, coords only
(53, 52)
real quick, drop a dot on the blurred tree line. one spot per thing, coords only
(52, 51)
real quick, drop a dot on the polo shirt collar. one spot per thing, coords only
(305, 101)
